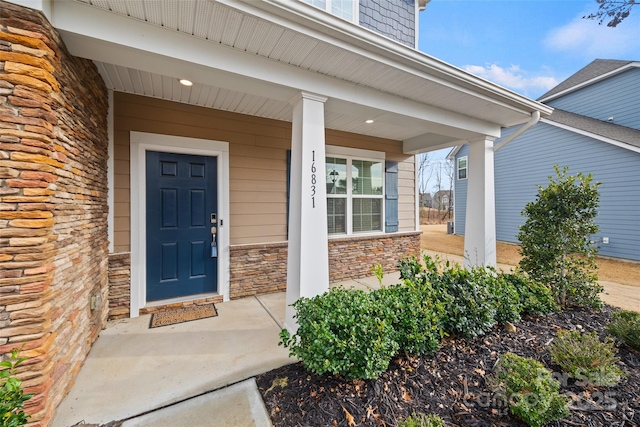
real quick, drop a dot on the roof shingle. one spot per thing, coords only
(598, 127)
(591, 71)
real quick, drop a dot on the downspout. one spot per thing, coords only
(535, 118)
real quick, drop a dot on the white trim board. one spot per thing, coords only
(110, 174)
(140, 143)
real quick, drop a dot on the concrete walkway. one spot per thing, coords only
(201, 373)
(165, 376)
(132, 369)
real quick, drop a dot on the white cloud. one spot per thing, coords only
(586, 38)
(515, 78)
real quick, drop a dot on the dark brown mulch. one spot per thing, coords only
(453, 384)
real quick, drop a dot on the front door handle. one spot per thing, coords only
(214, 246)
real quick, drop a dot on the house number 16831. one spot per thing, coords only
(313, 179)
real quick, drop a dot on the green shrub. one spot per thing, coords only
(415, 315)
(411, 269)
(626, 327)
(12, 396)
(505, 295)
(343, 332)
(535, 297)
(531, 391)
(470, 306)
(378, 271)
(422, 420)
(555, 239)
(474, 299)
(585, 358)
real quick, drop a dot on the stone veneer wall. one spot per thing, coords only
(120, 290)
(353, 257)
(53, 206)
(119, 285)
(259, 269)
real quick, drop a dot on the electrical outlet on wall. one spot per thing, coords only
(605, 240)
(96, 300)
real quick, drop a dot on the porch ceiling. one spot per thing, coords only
(278, 48)
(129, 80)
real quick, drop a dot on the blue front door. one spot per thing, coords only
(181, 204)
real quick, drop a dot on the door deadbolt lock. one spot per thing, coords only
(214, 218)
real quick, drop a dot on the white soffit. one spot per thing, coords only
(138, 82)
(222, 25)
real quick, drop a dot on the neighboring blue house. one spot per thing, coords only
(595, 128)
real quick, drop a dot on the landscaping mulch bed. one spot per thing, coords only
(452, 383)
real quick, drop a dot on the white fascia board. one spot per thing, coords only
(425, 143)
(592, 81)
(91, 33)
(340, 33)
(454, 151)
(43, 6)
(592, 135)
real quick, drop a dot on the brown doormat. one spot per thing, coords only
(182, 314)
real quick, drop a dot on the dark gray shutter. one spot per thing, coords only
(391, 197)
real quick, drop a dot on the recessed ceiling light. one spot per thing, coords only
(186, 82)
(369, 121)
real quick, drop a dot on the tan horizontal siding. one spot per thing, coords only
(257, 163)
(242, 220)
(406, 193)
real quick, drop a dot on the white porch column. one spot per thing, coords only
(480, 226)
(308, 253)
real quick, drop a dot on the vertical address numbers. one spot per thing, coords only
(313, 179)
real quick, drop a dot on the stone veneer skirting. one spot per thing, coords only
(352, 257)
(119, 285)
(53, 206)
(259, 269)
(120, 290)
(262, 268)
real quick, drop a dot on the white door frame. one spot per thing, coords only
(140, 143)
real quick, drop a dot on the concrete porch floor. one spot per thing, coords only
(133, 370)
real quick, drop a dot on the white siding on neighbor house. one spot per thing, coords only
(460, 195)
(528, 161)
(617, 97)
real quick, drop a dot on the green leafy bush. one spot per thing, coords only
(535, 297)
(586, 358)
(470, 306)
(555, 239)
(411, 269)
(415, 314)
(626, 327)
(474, 299)
(505, 295)
(422, 420)
(12, 396)
(530, 389)
(378, 271)
(343, 332)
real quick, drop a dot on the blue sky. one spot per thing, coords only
(527, 46)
